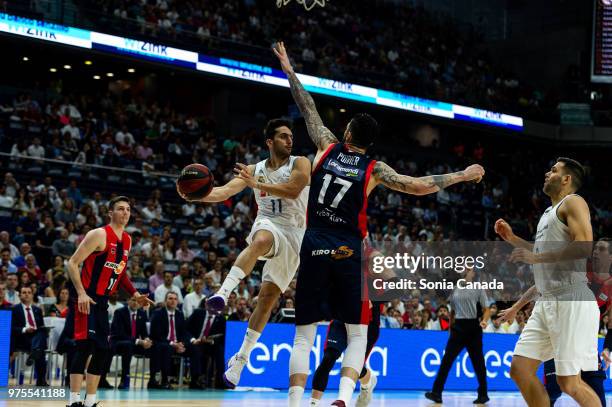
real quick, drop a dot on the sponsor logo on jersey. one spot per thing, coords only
(342, 252)
(117, 267)
(341, 170)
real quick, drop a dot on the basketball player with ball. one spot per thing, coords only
(280, 187)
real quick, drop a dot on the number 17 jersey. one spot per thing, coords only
(338, 191)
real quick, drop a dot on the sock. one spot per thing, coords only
(90, 400)
(74, 398)
(295, 396)
(250, 339)
(231, 281)
(345, 392)
(314, 402)
(366, 385)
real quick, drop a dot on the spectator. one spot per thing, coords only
(151, 212)
(242, 312)
(63, 247)
(35, 149)
(29, 335)
(32, 269)
(5, 242)
(6, 201)
(160, 291)
(169, 250)
(216, 273)
(60, 308)
(128, 337)
(113, 305)
(170, 336)
(153, 247)
(11, 293)
(157, 278)
(25, 249)
(74, 193)
(66, 213)
(5, 305)
(207, 345)
(215, 230)
(5, 255)
(182, 279)
(194, 298)
(184, 253)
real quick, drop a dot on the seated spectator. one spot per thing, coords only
(194, 298)
(207, 345)
(183, 277)
(35, 149)
(217, 272)
(242, 312)
(5, 242)
(113, 305)
(169, 250)
(4, 303)
(162, 290)
(6, 201)
(5, 256)
(184, 253)
(153, 247)
(60, 308)
(66, 213)
(11, 294)
(29, 334)
(215, 230)
(157, 278)
(63, 247)
(32, 268)
(128, 337)
(170, 336)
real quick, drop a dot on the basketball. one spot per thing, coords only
(196, 181)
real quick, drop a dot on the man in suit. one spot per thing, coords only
(128, 337)
(29, 333)
(206, 346)
(170, 336)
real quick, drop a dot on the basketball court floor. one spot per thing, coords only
(271, 398)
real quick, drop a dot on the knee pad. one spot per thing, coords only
(82, 352)
(97, 364)
(302, 343)
(321, 375)
(357, 338)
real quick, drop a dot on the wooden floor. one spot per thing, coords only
(187, 398)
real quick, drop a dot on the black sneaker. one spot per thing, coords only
(435, 397)
(481, 400)
(104, 384)
(77, 404)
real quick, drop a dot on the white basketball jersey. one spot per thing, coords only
(553, 235)
(282, 211)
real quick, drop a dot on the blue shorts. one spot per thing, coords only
(329, 283)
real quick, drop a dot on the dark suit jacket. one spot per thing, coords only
(160, 327)
(196, 320)
(20, 340)
(121, 327)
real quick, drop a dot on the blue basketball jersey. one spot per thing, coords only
(338, 198)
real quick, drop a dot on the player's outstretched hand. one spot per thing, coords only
(143, 300)
(83, 303)
(507, 314)
(474, 173)
(281, 53)
(522, 255)
(503, 229)
(242, 171)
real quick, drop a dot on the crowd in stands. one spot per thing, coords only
(182, 251)
(399, 47)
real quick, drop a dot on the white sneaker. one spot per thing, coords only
(231, 377)
(365, 396)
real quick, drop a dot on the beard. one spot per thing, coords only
(551, 188)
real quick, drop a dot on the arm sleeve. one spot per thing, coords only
(127, 284)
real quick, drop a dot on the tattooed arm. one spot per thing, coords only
(387, 176)
(318, 133)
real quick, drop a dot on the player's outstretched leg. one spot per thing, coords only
(354, 356)
(321, 375)
(299, 361)
(266, 300)
(261, 244)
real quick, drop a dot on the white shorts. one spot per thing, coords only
(283, 259)
(565, 331)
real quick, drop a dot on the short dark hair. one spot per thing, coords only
(364, 130)
(5, 249)
(120, 198)
(441, 306)
(575, 169)
(272, 125)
